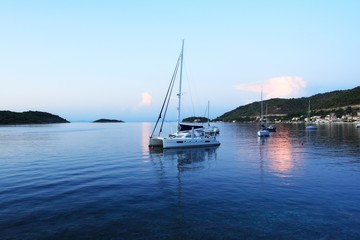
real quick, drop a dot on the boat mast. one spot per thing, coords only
(308, 120)
(261, 107)
(179, 94)
(266, 114)
(208, 116)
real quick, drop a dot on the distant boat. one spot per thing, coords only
(270, 128)
(309, 126)
(212, 130)
(209, 129)
(263, 132)
(194, 137)
(357, 125)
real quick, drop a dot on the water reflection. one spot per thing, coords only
(279, 155)
(187, 159)
(172, 167)
(145, 133)
(282, 159)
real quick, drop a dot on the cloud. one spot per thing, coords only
(146, 99)
(277, 87)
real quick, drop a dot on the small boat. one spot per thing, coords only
(270, 128)
(212, 130)
(310, 126)
(209, 129)
(263, 132)
(192, 136)
(357, 125)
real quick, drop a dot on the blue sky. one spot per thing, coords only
(85, 60)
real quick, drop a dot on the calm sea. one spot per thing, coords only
(100, 181)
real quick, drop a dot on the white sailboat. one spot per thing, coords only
(309, 126)
(209, 129)
(196, 137)
(270, 128)
(263, 132)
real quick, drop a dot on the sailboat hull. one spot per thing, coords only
(263, 133)
(311, 127)
(156, 141)
(191, 142)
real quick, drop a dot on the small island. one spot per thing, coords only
(104, 120)
(29, 117)
(196, 119)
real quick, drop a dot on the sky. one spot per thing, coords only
(87, 59)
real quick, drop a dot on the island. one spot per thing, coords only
(29, 117)
(104, 120)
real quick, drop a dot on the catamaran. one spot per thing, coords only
(195, 137)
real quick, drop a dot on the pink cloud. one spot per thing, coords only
(277, 87)
(146, 99)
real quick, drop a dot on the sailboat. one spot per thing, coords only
(195, 137)
(263, 132)
(209, 129)
(270, 128)
(308, 125)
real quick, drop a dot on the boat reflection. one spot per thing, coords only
(187, 159)
(262, 140)
(172, 166)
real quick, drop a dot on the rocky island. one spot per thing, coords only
(104, 120)
(29, 117)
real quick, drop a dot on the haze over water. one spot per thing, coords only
(100, 181)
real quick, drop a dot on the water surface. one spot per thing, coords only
(100, 181)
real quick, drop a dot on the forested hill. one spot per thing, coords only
(338, 102)
(30, 117)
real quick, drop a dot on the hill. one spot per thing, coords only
(30, 117)
(338, 102)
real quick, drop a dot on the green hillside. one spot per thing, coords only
(30, 117)
(338, 102)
